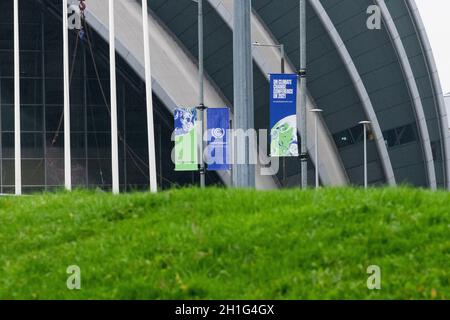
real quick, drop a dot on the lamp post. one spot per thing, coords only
(316, 143)
(283, 70)
(365, 124)
(201, 105)
(301, 118)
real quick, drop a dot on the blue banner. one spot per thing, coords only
(283, 115)
(218, 124)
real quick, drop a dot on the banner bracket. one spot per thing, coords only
(201, 107)
(302, 73)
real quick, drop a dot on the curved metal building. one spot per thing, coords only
(385, 75)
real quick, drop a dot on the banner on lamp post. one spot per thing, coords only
(218, 124)
(283, 115)
(186, 158)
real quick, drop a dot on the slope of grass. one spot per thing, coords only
(227, 244)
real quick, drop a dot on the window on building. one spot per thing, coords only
(349, 136)
(401, 135)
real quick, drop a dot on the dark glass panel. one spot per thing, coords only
(30, 91)
(32, 145)
(33, 173)
(8, 173)
(31, 118)
(7, 117)
(7, 145)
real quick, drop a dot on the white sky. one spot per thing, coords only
(436, 17)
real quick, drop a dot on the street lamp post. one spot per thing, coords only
(201, 105)
(283, 70)
(302, 116)
(365, 124)
(316, 143)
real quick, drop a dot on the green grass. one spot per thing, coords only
(227, 244)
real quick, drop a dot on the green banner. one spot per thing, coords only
(186, 158)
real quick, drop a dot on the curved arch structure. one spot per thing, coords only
(268, 60)
(174, 53)
(387, 76)
(436, 84)
(174, 72)
(360, 88)
(414, 92)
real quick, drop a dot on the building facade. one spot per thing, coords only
(385, 75)
(447, 103)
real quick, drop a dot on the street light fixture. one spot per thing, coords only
(365, 124)
(316, 143)
(279, 46)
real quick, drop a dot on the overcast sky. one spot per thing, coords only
(436, 16)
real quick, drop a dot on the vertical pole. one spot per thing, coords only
(201, 106)
(85, 107)
(316, 144)
(17, 141)
(1, 143)
(114, 136)
(123, 89)
(148, 86)
(161, 171)
(44, 102)
(365, 156)
(231, 148)
(243, 174)
(302, 74)
(283, 59)
(67, 146)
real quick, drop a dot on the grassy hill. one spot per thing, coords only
(223, 244)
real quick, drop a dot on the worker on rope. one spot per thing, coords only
(82, 6)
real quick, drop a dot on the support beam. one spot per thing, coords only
(243, 174)
(148, 86)
(436, 84)
(17, 141)
(114, 135)
(67, 144)
(413, 92)
(360, 89)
